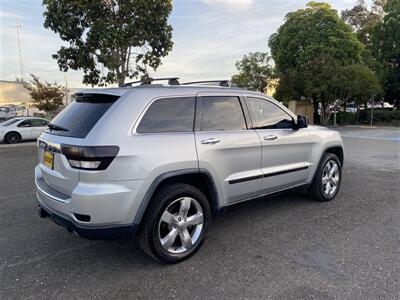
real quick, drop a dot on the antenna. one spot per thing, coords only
(18, 27)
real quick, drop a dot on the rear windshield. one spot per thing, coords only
(78, 118)
(9, 122)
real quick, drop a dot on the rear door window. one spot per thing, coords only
(38, 123)
(25, 123)
(221, 113)
(168, 115)
(78, 118)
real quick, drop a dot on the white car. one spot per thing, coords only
(24, 128)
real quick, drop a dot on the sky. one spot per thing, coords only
(209, 37)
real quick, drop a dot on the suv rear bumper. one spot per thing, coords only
(91, 233)
(110, 207)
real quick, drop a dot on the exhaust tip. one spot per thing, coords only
(42, 213)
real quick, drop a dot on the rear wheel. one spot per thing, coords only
(176, 223)
(327, 179)
(12, 138)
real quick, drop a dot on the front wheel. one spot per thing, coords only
(327, 179)
(176, 223)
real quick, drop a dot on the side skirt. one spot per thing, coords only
(301, 185)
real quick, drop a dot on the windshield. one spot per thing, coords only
(9, 122)
(78, 118)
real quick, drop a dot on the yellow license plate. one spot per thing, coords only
(49, 159)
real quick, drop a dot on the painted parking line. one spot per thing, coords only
(382, 138)
(5, 146)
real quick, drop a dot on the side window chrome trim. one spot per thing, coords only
(145, 109)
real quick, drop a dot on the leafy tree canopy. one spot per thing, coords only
(363, 18)
(255, 72)
(110, 40)
(308, 49)
(46, 96)
(311, 36)
(386, 49)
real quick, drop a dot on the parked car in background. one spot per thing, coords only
(7, 112)
(24, 128)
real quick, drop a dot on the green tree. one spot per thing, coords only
(254, 72)
(308, 49)
(386, 49)
(110, 40)
(46, 96)
(362, 18)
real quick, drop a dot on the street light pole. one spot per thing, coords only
(18, 27)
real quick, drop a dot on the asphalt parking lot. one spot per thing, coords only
(281, 247)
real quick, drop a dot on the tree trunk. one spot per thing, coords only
(358, 114)
(316, 116)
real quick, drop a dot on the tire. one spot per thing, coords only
(167, 233)
(326, 183)
(12, 138)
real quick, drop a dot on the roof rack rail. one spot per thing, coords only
(149, 80)
(223, 83)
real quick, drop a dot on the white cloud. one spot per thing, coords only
(10, 15)
(231, 4)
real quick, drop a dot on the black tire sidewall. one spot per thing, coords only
(162, 200)
(319, 194)
(8, 135)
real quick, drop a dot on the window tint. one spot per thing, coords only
(24, 124)
(266, 115)
(221, 113)
(78, 118)
(168, 115)
(38, 123)
(9, 122)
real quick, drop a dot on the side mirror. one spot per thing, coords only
(302, 122)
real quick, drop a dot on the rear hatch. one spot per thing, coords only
(65, 137)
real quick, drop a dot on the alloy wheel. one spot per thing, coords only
(330, 178)
(180, 225)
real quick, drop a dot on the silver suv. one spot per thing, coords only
(162, 160)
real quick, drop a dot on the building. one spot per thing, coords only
(12, 92)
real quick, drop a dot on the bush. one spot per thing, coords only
(381, 117)
(385, 117)
(345, 118)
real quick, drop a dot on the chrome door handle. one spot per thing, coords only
(210, 141)
(270, 137)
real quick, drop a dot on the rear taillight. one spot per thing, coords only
(89, 157)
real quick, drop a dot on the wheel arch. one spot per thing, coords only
(334, 149)
(337, 150)
(199, 178)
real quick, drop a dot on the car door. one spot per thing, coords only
(37, 127)
(286, 152)
(24, 129)
(226, 147)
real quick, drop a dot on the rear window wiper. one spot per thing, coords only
(56, 127)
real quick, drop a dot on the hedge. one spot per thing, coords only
(381, 117)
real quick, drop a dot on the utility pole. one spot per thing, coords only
(66, 90)
(18, 27)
